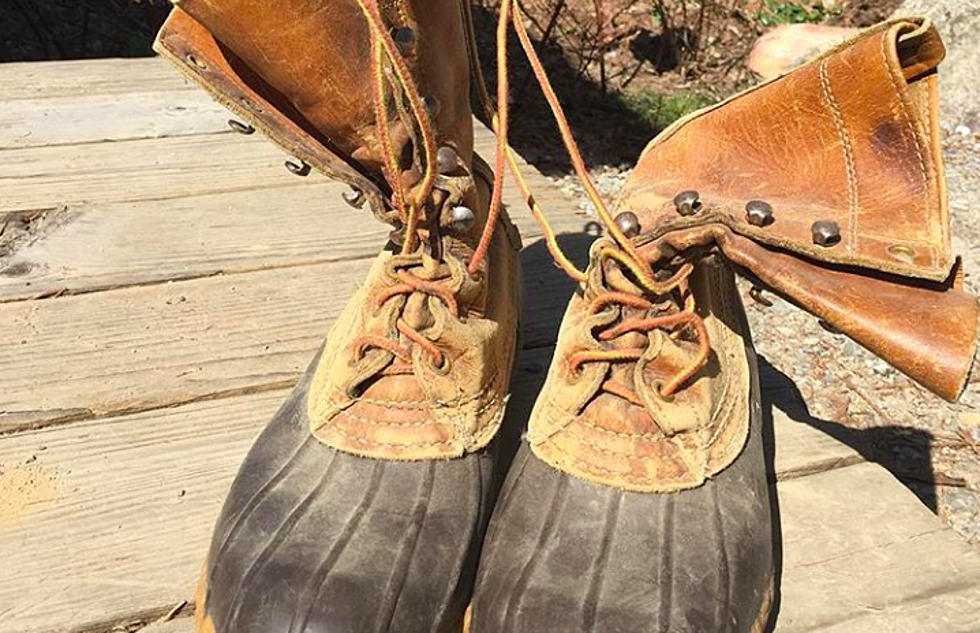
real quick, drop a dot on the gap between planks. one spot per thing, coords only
(142, 492)
(141, 348)
(88, 248)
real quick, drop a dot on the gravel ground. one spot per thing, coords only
(932, 446)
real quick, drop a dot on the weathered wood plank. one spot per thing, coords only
(108, 117)
(139, 348)
(98, 246)
(141, 492)
(862, 555)
(802, 450)
(51, 177)
(33, 80)
(152, 169)
(126, 516)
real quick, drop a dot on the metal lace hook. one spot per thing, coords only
(241, 128)
(298, 169)
(355, 198)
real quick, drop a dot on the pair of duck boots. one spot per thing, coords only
(638, 500)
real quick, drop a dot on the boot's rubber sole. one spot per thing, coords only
(759, 627)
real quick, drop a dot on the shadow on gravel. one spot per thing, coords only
(607, 130)
(904, 452)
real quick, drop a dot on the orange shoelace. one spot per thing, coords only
(626, 255)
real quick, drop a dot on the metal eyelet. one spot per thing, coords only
(658, 390)
(444, 369)
(251, 105)
(194, 61)
(902, 253)
(355, 199)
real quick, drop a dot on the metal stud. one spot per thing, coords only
(240, 128)
(826, 233)
(592, 229)
(298, 169)
(404, 39)
(355, 198)
(628, 223)
(687, 202)
(447, 160)
(759, 213)
(462, 219)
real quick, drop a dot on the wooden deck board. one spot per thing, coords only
(108, 117)
(134, 498)
(138, 166)
(145, 347)
(165, 365)
(31, 80)
(53, 177)
(89, 247)
(862, 555)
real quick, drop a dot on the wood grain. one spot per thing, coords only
(34, 80)
(862, 555)
(103, 116)
(90, 247)
(145, 169)
(138, 495)
(138, 348)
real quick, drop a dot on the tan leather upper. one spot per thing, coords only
(433, 412)
(301, 71)
(662, 445)
(850, 138)
(853, 138)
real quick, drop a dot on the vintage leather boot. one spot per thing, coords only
(639, 502)
(363, 504)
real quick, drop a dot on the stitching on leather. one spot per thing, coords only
(359, 440)
(483, 409)
(905, 113)
(852, 191)
(361, 418)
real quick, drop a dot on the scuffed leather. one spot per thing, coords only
(431, 414)
(301, 72)
(851, 137)
(190, 47)
(666, 445)
(845, 138)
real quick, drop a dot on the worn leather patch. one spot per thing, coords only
(845, 149)
(850, 138)
(431, 412)
(666, 445)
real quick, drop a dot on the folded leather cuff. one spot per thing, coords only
(827, 186)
